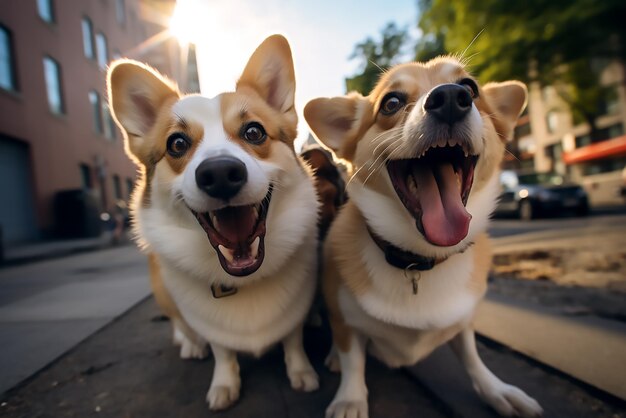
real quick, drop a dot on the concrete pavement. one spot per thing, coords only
(48, 307)
(131, 369)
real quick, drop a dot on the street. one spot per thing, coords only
(502, 227)
(48, 307)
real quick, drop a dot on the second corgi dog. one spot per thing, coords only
(226, 210)
(407, 258)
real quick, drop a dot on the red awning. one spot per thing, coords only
(609, 148)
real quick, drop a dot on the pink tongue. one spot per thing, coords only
(445, 220)
(236, 224)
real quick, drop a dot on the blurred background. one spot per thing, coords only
(67, 264)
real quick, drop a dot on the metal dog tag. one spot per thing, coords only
(222, 291)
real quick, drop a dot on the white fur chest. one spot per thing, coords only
(258, 315)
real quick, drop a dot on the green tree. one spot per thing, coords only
(553, 42)
(376, 57)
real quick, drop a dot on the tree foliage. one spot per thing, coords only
(553, 42)
(376, 57)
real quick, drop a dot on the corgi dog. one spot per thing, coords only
(226, 211)
(407, 258)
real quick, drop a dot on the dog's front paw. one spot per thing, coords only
(222, 397)
(191, 350)
(347, 409)
(304, 380)
(510, 401)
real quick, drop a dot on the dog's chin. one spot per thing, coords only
(434, 189)
(238, 235)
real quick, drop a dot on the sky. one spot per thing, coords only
(322, 35)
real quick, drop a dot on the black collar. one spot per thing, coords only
(406, 260)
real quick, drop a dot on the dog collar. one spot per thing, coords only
(404, 260)
(408, 261)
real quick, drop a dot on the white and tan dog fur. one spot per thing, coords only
(226, 211)
(425, 146)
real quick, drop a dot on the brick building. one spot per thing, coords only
(548, 138)
(56, 132)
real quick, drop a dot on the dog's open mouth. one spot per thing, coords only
(434, 188)
(237, 233)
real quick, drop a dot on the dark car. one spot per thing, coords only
(529, 195)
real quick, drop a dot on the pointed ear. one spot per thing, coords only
(270, 73)
(508, 100)
(337, 121)
(136, 95)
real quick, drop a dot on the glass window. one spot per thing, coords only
(129, 187)
(94, 100)
(7, 73)
(44, 7)
(52, 74)
(552, 121)
(85, 176)
(120, 12)
(101, 50)
(109, 124)
(117, 187)
(88, 38)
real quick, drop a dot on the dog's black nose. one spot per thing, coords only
(449, 103)
(221, 177)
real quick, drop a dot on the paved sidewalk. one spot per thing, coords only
(47, 308)
(131, 369)
(37, 251)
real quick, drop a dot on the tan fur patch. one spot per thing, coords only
(161, 295)
(195, 132)
(245, 106)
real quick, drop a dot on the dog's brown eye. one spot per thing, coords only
(178, 144)
(254, 133)
(470, 85)
(391, 103)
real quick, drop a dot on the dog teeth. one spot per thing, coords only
(254, 247)
(228, 254)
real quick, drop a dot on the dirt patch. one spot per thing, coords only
(597, 268)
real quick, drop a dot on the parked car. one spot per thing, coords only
(529, 195)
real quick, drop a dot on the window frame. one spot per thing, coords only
(12, 68)
(103, 60)
(96, 111)
(92, 44)
(59, 85)
(50, 16)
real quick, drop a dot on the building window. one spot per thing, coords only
(117, 187)
(120, 12)
(609, 104)
(44, 8)
(129, 187)
(109, 124)
(85, 177)
(52, 74)
(552, 121)
(88, 47)
(101, 50)
(7, 61)
(96, 112)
